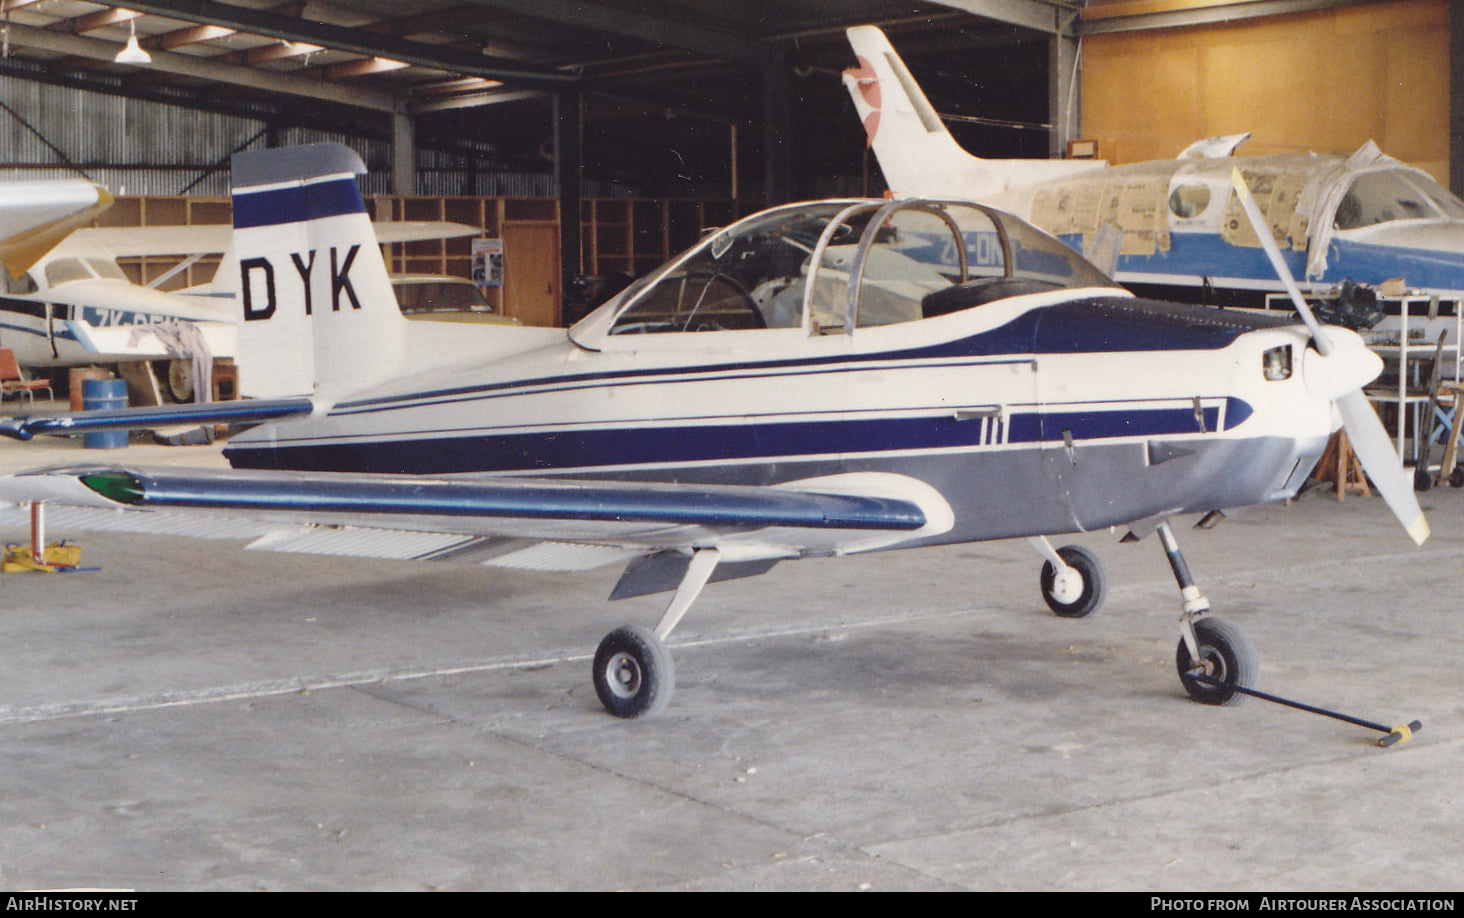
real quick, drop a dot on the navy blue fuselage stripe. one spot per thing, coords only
(1092, 326)
(557, 450)
(296, 204)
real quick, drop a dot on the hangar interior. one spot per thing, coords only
(656, 121)
(188, 715)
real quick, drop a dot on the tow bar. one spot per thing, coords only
(1399, 734)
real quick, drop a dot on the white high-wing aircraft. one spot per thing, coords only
(75, 307)
(1367, 217)
(819, 379)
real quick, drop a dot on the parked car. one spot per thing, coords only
(444, 298)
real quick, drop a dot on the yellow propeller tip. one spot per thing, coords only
(1419, 531)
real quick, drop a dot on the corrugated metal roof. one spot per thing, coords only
(678, 75)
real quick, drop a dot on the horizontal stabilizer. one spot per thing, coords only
(216, 238)
(81, 422)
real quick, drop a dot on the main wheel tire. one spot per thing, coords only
(1229, 658)
(1075, 599)
(633, 673)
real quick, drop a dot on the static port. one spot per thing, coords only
(1276, 363)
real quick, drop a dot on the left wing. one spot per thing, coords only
(555, 524)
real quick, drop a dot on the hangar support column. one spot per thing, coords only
(1062, 83)
(568, 120)
(403, 153)
(1456, 99)
(778, 128)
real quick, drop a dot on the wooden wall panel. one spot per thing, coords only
(1325, 81)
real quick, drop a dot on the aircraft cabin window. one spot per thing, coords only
(917, 253)
(106, 268)
(65, 270)
(1394, 194)
(1189, 200)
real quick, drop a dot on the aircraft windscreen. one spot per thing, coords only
(66, 270)
(1394, 194)
(747, 276)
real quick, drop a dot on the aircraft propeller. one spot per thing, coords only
(1369, 438)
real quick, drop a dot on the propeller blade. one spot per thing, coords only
(1370, 440)
(1278, 264)
(1375, 451)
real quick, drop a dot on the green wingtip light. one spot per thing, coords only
(117, 486)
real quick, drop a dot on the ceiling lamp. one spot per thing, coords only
(133, 53)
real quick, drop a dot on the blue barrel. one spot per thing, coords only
(104, 393)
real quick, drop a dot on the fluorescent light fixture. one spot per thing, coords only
(132, 53)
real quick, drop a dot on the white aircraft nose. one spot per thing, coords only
(1348, 366)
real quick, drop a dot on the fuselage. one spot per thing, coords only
(83, 309)
(1051, 409)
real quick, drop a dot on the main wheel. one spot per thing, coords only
(633, 674)
(1227, 656)
(1079, 593)
(180, 380)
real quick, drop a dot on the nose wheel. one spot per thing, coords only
(1226, 656)
(1215, 659)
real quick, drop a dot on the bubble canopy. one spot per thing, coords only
(833, 266)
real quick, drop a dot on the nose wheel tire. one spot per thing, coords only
(633, 673)
(1226, 656)
(1079, 591)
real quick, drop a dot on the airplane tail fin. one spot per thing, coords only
(318, 315)
(918, 156)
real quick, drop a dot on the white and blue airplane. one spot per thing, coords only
(819, 379)
(1367, 218)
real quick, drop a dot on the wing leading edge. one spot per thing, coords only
(332, 513)
(521, 498)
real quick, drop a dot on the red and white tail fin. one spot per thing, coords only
(918, 156)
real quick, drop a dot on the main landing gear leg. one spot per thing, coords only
(1208, 646)
(633, 672)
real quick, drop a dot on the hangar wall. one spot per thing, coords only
(1325, 81)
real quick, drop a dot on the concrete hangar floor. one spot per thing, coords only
(196, 717)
